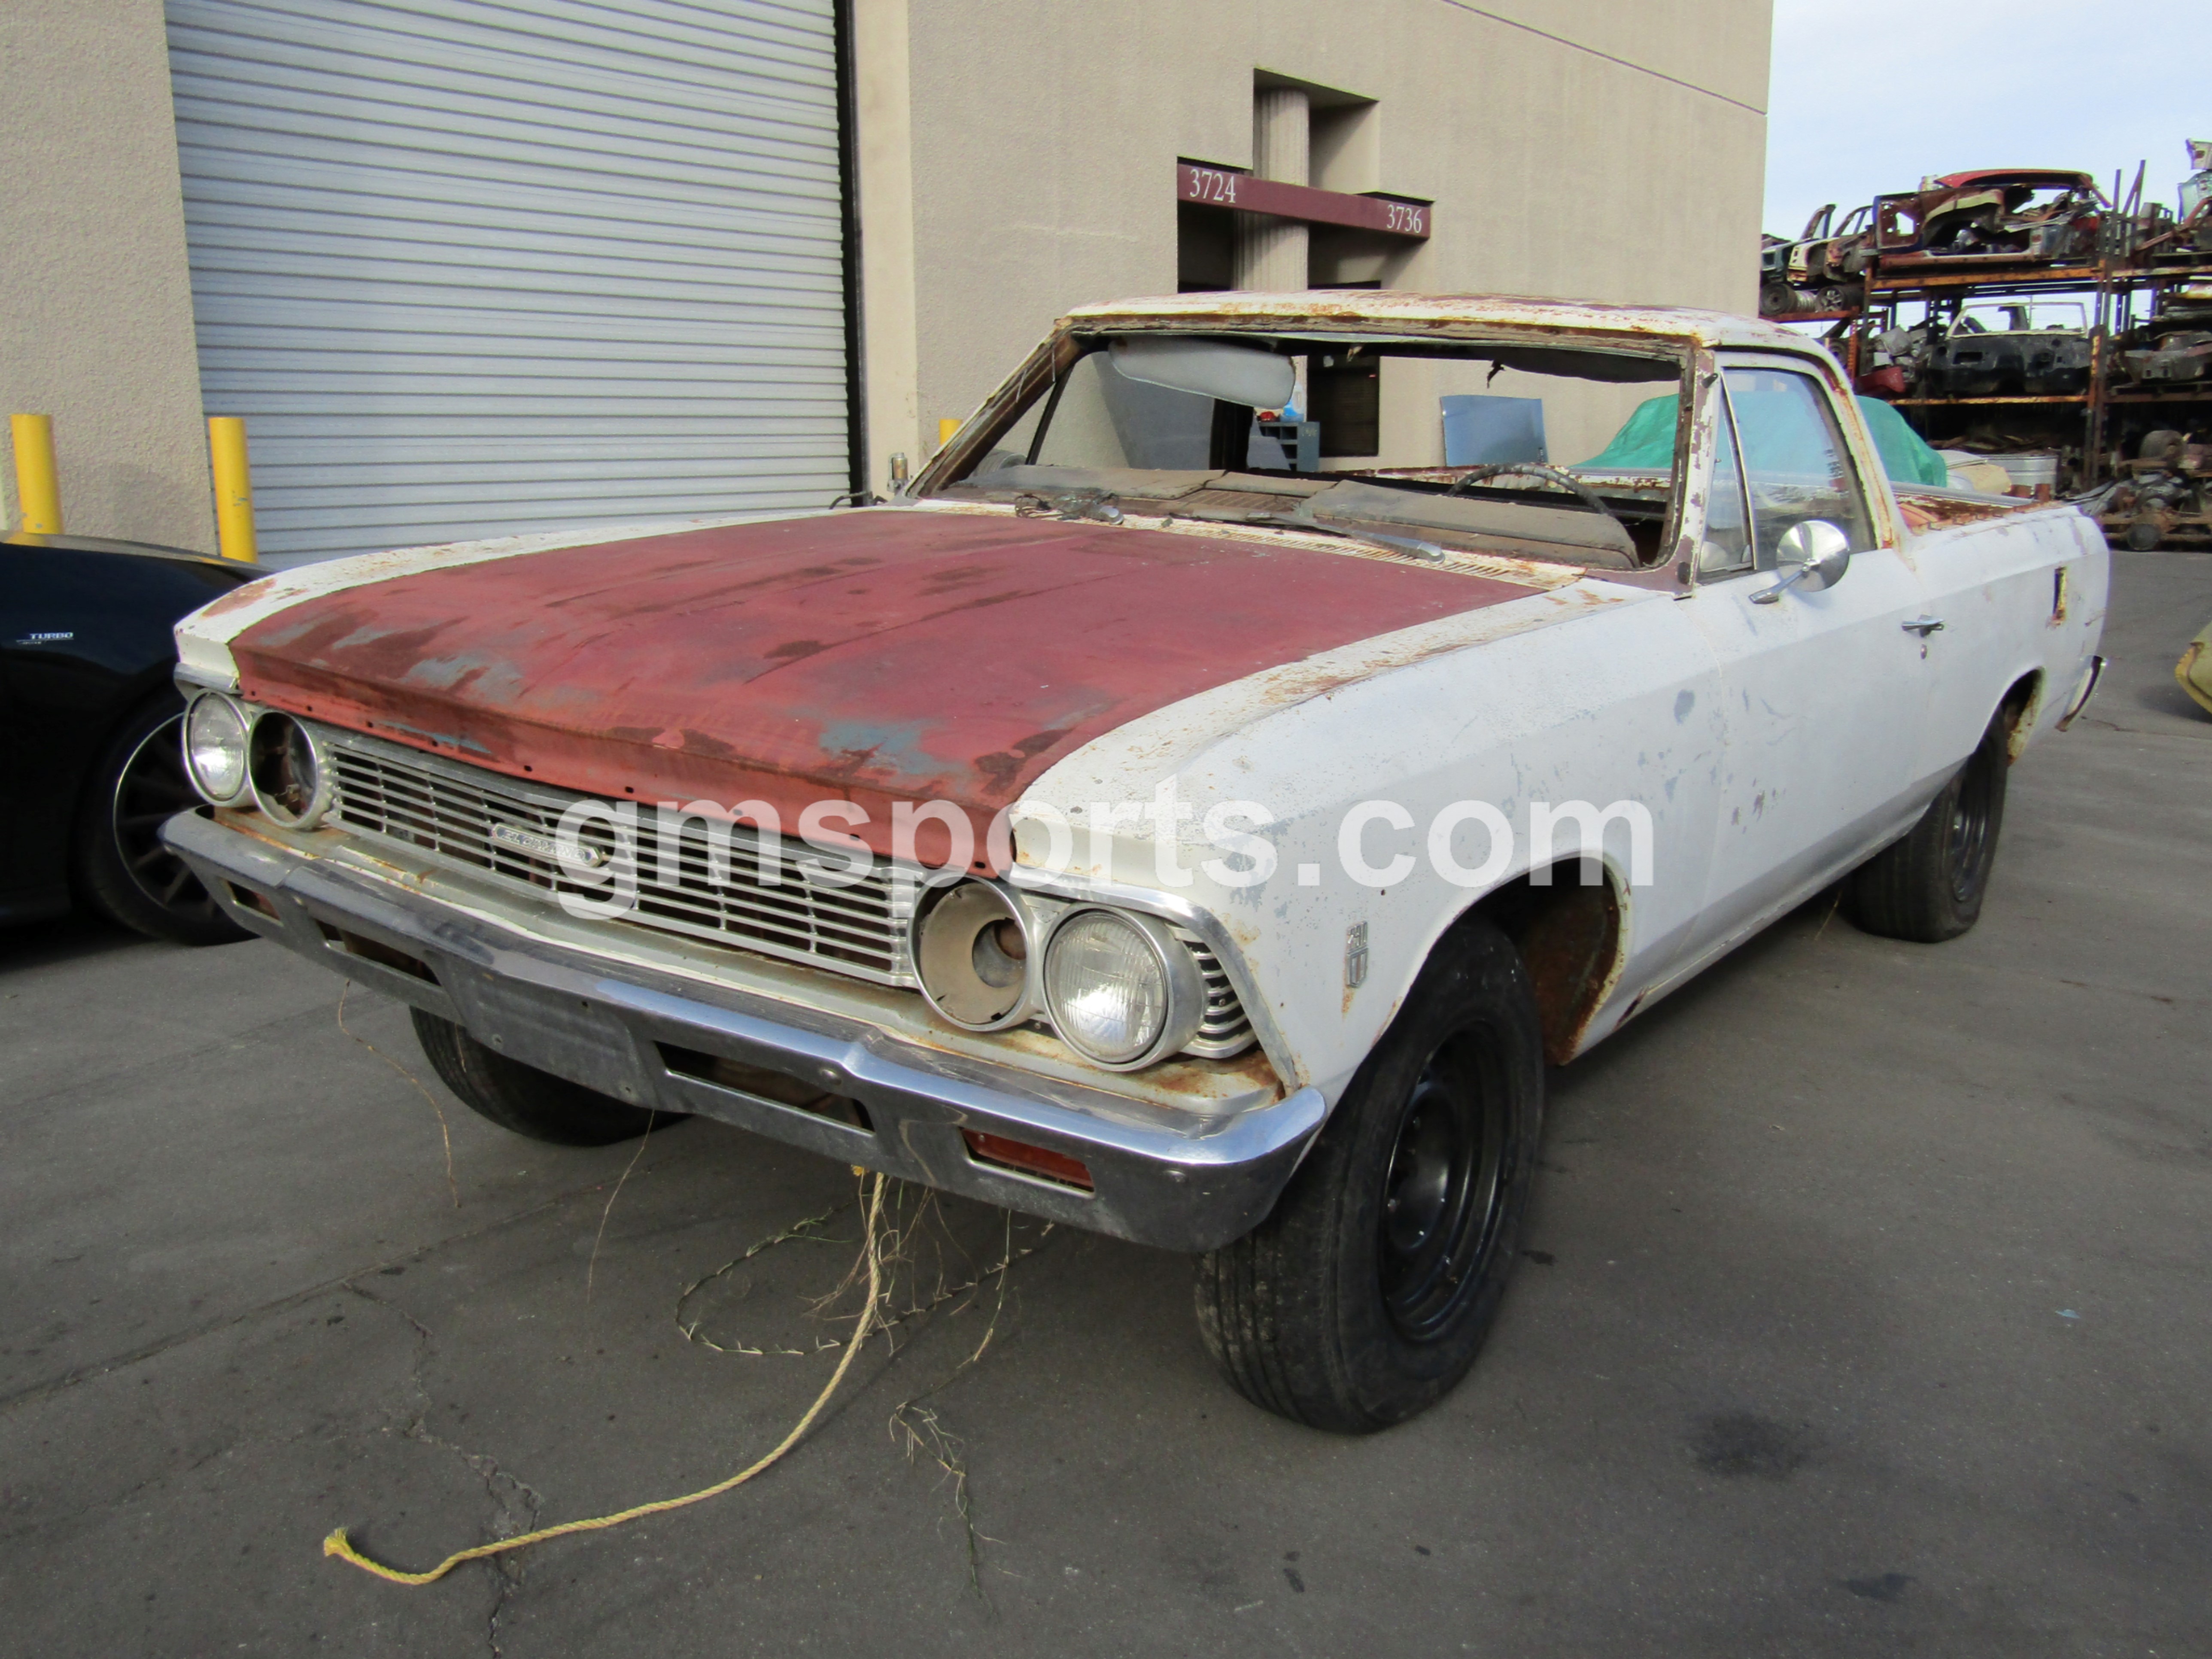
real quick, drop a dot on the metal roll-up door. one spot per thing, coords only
(469, 268)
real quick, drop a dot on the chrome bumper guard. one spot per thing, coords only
(1179, 1181)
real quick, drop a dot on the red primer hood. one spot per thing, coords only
(868, 656)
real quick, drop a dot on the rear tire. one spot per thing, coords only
(1365, 1296)
(524, 1099)
(1929, 887)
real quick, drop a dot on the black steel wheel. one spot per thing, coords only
(1365, 1296)
(1444, 1189)
(1929, 886)
(123, 869)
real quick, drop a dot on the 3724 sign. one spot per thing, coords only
(1225, 187)
(1210, 184)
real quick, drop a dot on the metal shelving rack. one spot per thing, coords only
(2115, 283)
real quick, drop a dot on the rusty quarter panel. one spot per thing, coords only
(874, 656)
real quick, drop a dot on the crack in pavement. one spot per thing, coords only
(516, 1504)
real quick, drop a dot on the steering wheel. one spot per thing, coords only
(1536, 469)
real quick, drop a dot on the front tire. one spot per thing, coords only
(1929, 887)
(524, 1099)
(1365, 1298)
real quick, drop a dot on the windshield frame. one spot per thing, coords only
(1072, 339)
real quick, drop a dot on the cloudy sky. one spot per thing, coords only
(1867, 96)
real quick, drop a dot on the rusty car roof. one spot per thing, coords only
(1671, 324)
(2015, 176)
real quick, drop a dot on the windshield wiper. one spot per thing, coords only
(1070, 505)
(1409, 545)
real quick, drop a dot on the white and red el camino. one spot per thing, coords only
(1188, 811)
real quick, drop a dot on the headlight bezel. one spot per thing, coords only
(1183, 986)
(244, 720)
(938, 953)
(270, 726)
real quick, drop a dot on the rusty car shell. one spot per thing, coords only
(1992, 214)
(1774, 747)
(1813, 272)
(2022, 355)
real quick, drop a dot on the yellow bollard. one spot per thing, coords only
(946, 426)
(37, 485)
(234, 487)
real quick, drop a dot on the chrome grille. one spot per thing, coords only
(1225, 1030)
(450, 810)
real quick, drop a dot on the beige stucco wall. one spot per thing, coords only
(1593, 149)
(97, 327)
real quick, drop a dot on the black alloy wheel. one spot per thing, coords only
(123, 868)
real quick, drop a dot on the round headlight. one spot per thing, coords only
(291, 782)
(971, 952)
(1121, 990)
(215, 748)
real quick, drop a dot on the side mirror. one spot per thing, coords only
(1816, 554)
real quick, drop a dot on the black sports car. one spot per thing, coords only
(88, 734)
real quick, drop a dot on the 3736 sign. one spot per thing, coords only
(1225, 187)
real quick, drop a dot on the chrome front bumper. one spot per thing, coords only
(1181, 1180)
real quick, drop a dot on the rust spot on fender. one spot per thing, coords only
(1569, 937)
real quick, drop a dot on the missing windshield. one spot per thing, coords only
(1551, 452)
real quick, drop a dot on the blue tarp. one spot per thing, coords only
(1646, 440)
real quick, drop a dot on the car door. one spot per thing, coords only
(1823, 688)
(62, 688)
(84, 639)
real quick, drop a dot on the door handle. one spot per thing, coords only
(1923, 626)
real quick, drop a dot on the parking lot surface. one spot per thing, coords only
(1865, 1309)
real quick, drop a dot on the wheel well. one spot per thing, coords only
(2018, 708)
(1569, 936)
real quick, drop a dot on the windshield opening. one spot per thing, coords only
(1560, 452)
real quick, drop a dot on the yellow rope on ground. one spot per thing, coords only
(339, 1545)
